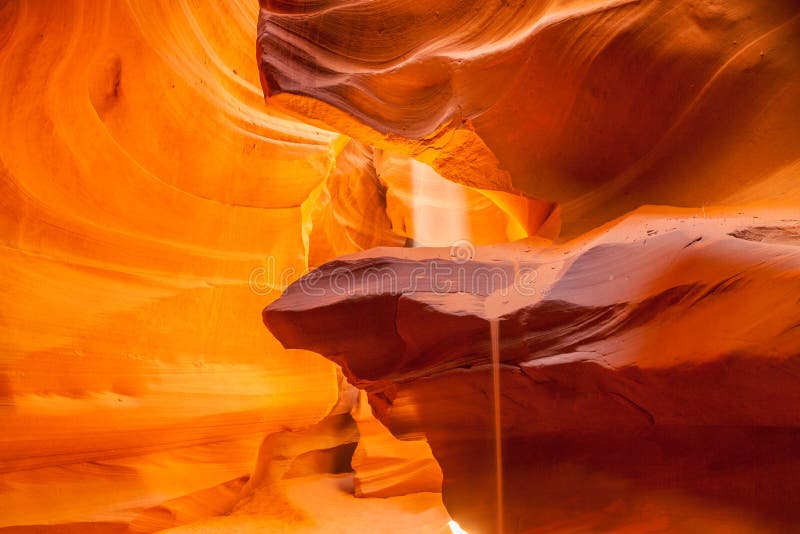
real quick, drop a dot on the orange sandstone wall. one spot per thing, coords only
(141, 182)
(152, 206)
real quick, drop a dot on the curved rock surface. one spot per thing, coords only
(142, 182)
(648, 371)
(600, 105)
(385, 466)
(151, 203)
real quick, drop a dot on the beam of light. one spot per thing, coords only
(455, 528)
(438, 206)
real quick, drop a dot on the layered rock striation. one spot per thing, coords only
(602, 105)
(648, 372)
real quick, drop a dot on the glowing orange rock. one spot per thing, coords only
(152, 205)
(142, 182)
(385, 466)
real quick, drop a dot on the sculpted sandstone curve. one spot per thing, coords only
(647, 370)
(601, 106)
(151, 205)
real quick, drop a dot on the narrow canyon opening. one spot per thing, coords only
(387, 266)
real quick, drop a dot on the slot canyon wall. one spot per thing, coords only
(642, 375)
(637, 161)
(142, 182)
(152, 205)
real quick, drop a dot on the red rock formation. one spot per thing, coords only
(615, 402)
(648, 371)
(152, 205)
(600, 105)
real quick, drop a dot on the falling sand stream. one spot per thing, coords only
(494, 328)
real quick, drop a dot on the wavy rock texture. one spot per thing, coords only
(601, 106)
(324, 503)
(304, 481)
(142, 183)
(385, 466)
(375, 198)
(648, 371)
(151, 204)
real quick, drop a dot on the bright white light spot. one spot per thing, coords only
(438, 206)
(456, 528)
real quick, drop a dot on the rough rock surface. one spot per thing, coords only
(649, 371)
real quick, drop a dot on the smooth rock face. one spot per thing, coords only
(648, 371)
(135, 205)
(385, 466)
(324, 503)
(599, 105)
(151, 205)
(307, 480)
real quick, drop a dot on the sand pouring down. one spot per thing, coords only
(398, 266)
